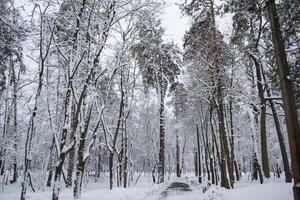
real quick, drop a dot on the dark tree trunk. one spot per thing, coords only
(206, 151)
(257, 173)
(199, 155)
(223, 143)
(71, 156)
(125, 167)
(15, 125)
(237, 172)
(287, 96)
(161, 156)
(111, 170)
(57, 177)
(182, 157)
(220, 100)
(178, 174)
(118, 126)
(50, 164)
(99, 165)
(286, 166)
(196, 162)
(80, 157)
(263, 131)
(213, 150)
(233, 161)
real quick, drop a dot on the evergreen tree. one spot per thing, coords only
(159, 65)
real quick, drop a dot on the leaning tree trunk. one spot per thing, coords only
(112, 150)
(287, 96)
(286, 165)
(31, 127)
(81, 157)
(63, 149)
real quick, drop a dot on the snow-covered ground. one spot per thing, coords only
(274, 189)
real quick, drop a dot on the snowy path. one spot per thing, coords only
(145, 190)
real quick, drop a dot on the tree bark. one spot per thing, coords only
(80, 157)
(263, 131)
(196, 161)
(206, 149)
(182, 157)
(125, 167)
(15, 125)
(287, 96)
(220, 100)
(71, 156)
(178, 174)
(199, 155)
(161, 155)
(50, 164)
(286, 165)
(233, 161)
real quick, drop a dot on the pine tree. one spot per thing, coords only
(159, 67)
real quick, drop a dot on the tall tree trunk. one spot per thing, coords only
(71, 156)
(125, 164)
(215, 151)
(199, 155)
(111, 169)
(81, 156)
(220, 100)
(205, 143)
(287, 96)
(233, 161)
(215, 148)
(182, 157)
(53, 149)
(31, 127)
(178, 174)
(50, 164)
(209, 157)
(286, 165)
(118, 126)
(263, 131)
(4, 134)
(223, 143)
(196, 161)
(99, 159)
(161, 156)
(57, 177)
(15, 125)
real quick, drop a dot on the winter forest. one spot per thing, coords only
(100, 101)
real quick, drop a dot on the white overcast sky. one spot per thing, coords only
(174, 22)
